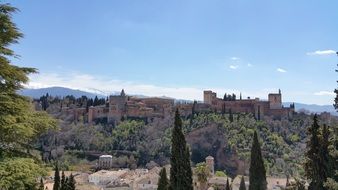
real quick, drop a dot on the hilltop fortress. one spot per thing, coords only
(122, 106)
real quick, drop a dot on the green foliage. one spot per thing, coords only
(20, 125)
(19, 174)
(316, 164)
(257, 169)
(331, 184)
(220, 174)
(180, 171)
(202, 172)
(126, 135)
(297, 185)
(163, 182)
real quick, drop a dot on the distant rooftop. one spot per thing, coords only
(106, 156)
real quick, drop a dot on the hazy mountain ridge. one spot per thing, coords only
(58, 91)
(62, 91)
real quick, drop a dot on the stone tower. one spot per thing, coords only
(275, 100)
(210, 164)
(208, 96)
(117, 106)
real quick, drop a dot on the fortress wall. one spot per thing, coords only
(280, 113)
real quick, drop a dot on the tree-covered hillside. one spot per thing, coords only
(135, 142)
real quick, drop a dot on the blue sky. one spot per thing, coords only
(179, 48)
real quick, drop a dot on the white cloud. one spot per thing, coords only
(322, 52)
(235, 58)
(281, 70)
(106, 86)
(233, 67)
(324, 93)
(249, 65)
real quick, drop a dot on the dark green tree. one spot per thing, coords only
(71, 182)
(242, 184)
(56, 185)
(180, 171)
(63, 181)
(163, 182)
(41, 186)
(257, 170)
(324, 156)
(313, 162)
(332, 181)
(96, 101)
(231, 115)
(187, 168)
(225, 97)
(20, 124)
(227, 186)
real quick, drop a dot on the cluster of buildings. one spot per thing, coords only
(138, 179)
(122, 106)
(144, 179)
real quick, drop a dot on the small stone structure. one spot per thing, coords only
(105, 162)
(210, 164)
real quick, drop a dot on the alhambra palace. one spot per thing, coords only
(122, 106)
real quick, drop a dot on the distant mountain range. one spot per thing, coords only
(58, 91)
(62, 91)
(313, 107)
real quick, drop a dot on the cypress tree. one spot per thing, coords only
(313, 164)
(163, 180)
(227, 187)
(242, 184)
(231, 116)
(71, 182)
(41, 186)
(325, 169)
(180, 171)
(188, 172)
(257, 170)
(96, 101)
(56, 185)
(63, 181)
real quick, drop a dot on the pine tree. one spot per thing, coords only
(56, 185)
(163, 183)
(180, 171)
(227, 186)
(313, 163)
(242, 184)
(20, 124)
(71, 182)
(257, 170)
